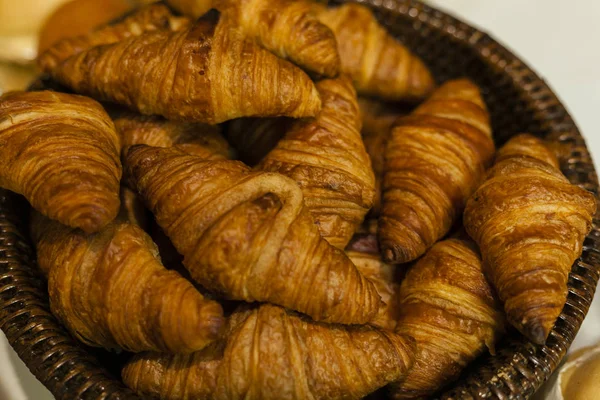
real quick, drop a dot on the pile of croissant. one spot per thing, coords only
(329, 260)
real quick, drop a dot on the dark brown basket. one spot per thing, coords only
(519, 101)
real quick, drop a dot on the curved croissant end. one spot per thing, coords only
(447, 305)
(271, 353)
(206, 73)
(61, 152)
(154, 17)
(328, 160)
(435, 159)
(378, 64)
(110, 290)
(530, 223)
(247, 235)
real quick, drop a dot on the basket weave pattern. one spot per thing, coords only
(519, 101)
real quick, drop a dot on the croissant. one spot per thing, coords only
(288, 28)
(271, 353)
(247, 235)
(61, 152)
(254, 138)
(378, 64)
(133, 209)
(327, 157)
(154, 17)
(377, 122)
(449, 308)
(110, 290)
(434, 161)
(383, 276)
(202, 140)
(530, 223)
(206, 73)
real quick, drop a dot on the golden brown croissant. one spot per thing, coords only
(110, 290)
(377, 122)
(155, 17)
(202, 140)
(271, 353)
(288, 28)
(435, 159)
(248, 235)
(327, 157)
(383, 277)
(530, 223)
(62, 153)
(206, 73)
(449, 308)
(133, 209)
(378, 64)
(254, 138)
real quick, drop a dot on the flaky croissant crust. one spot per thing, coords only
(61, 152)
(530, 223)
(271, 353)
(247, 235)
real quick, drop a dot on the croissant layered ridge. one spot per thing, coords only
(111, 290)
(530, 223)
(434, 160)
(271, 353)
(248, 236)
(61, 152)
(205, 73)
(378, 64)
(288, 28)
(327, 158)
(447, 305)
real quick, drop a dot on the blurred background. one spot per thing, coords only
(555, 37)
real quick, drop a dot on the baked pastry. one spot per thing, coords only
(205, 73)
(449, 308)
(327, 157)
(378, 64)
(271, 353)
(247, 235)
(61, 152)
(288, 28)
(111, 290)
(254, 138)
(434, 160)
(530, 223)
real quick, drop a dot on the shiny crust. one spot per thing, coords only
(247, 235)
(447, 305)
(155, 17)
(530, 223)
(202, 140)
(62, 153)
(327, 158)
(110, 290)
(276, 354)
(435, 159)
(291, 30)
(378, 64)
(207, 73)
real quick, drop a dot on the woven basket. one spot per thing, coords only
(519, 101)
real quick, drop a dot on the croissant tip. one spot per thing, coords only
(394, 254)
(536, 331)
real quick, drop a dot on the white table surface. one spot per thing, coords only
(557, 38)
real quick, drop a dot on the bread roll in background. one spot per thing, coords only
(577, 379)
(77, 17)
